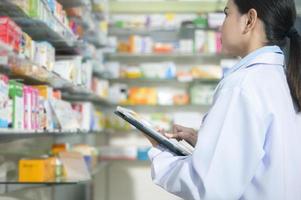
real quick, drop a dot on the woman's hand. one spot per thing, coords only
(183, 133)
(151, 140)
(179, 133)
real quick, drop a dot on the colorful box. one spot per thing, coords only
(52, 5)
(44, 115)
(45, 55)
(44, 91)
(27, 98)
(16, 95)
(4, 112)
(57, 148)
(26, 46)
(10, 33)
(36, 170)
(35, 8)
(142, 96)
(35, 108)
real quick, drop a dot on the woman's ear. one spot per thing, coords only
(250, 20)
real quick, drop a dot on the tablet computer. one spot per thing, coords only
(180, 148)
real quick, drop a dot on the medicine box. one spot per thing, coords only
(10, 33)
(16, 95)
(45, 55)
(36, 170)
(27, 98)
(4, 110)
(35, 8)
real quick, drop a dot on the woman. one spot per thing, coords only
(249, 146)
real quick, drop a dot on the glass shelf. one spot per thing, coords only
(141, 31)
(39, 30)
(150, 30)
(8, 135)
(149, 6)
(50, 182)
(164, 55)
(83, 95)
(19, 67)
(166, 108)
(30, 73)
(162, 81)
(12, 185)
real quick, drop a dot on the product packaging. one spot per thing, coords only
(4, 101)
(16, 95)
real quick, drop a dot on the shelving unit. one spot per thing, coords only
(163, 55)
(165, 6)
(141, 31)
(35, 143)
(140, 81)
(149, 30)
(14, 185)
(134, 25)
(84, 96)
(29, 71)
(11, 134)
(16, 66)
(38, 29)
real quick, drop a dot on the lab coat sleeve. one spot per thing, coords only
(229, 150)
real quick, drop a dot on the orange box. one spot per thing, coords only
(57, 148)
(142, 96)
(44, 91)
(36, 170)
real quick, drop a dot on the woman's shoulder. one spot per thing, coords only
(256, 77)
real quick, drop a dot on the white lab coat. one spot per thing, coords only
(249, 146)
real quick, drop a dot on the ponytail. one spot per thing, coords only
(279, 17)
(294, 67)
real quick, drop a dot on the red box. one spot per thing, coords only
(17, 38)
(10, 32)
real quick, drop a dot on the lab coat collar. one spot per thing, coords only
(271, 55)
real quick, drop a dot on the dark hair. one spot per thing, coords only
(279, 18)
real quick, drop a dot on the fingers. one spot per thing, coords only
(170, 135)
(151, 140)
(161, 130)
(177, 135)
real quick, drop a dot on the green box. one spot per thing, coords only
(16, 95)
(35, 7)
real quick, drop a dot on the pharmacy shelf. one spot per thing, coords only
(80, 94)
(39, 30)
(46, 183)
(18, 67)
(97, 38)
(140, 81)
(141, 31)
(151, 30)
(164, 55)
(7, 135)
(74, 3)
(132, 6)
(62, 181)
(24, 70)
(15, 185)
(166, 108)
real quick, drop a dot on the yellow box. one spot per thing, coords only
(36, 170)
(44, 91)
